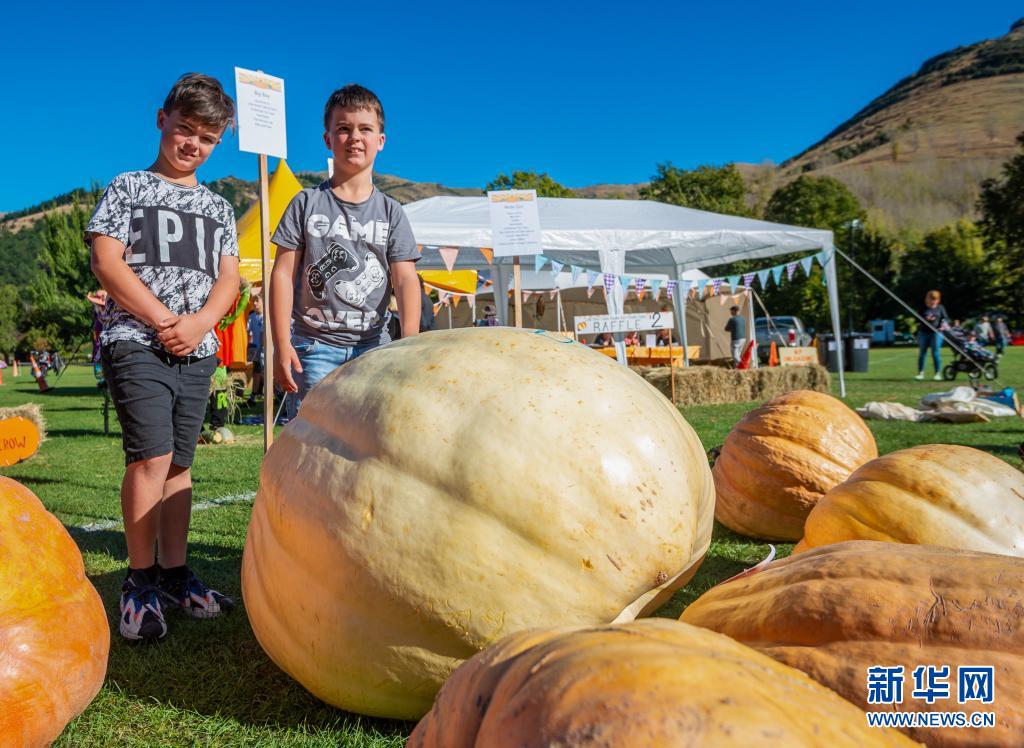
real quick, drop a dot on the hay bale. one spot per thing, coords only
(715, 385)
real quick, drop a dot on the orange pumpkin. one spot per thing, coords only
(837, 610)
(54, 635)
(931, 494)
(652, 682)
(781, 458)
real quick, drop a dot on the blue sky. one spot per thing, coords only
(585, 91)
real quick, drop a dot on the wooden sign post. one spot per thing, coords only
(261, 130)
(515, 231)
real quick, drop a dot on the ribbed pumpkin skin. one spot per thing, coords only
(54, 634)
(446, 490)
(781, 458)
(837, 610)
(647, 683)
(933, 494)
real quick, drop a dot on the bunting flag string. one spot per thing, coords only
(655, 288)
(539, 261)
(575, 273)
(590, 290)
(701, 285)
(734, 282)
(762, 277)
(552, 293)
(624, 282)
(805, 263)
(640, 284)
(556, 268)
(591, 279)
(748, 280)
(716, 283)
(670, 289)
(790, 270)
(488, 254)
(777, 273)
(609, 282)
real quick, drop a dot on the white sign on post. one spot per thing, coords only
(596, 324)
(515, 223)
(261, 127)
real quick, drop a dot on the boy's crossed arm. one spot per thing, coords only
(180, 335)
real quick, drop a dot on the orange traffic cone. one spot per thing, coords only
(773, 355)
(39, 377)
(15, 367)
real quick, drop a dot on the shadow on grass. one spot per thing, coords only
(215, 666)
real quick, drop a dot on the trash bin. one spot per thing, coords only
(855, 351)
(828, 352)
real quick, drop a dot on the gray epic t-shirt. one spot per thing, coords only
(343, 285)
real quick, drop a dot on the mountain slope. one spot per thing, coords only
(915, 155)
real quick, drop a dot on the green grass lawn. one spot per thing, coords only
(209, 683)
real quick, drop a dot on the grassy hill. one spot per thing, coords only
(916, 154)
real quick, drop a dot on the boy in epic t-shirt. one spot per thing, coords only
(341, 248)
(165, 249)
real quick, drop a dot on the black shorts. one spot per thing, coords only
(160, 399)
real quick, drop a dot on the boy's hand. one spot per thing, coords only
(182, 336)
(285, 361)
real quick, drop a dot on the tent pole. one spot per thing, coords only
(833, 305)
(755, 362)
(679, 302)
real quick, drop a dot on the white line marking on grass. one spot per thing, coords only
(110, 524)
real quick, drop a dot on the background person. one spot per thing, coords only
(984, 331)
(930, 337)
(737, 329)
(1001, 334)
(254, 351)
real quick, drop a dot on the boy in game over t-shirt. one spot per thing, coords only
(165, 250)
(341, 248)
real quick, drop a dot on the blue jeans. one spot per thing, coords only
(927, 339)
(319, 359)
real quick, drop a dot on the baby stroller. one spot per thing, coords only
(975, 361)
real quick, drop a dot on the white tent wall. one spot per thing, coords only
(705, 319)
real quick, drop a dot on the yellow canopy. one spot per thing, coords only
(283, 187)
(456, 281)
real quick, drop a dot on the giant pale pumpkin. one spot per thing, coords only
(933, 494)
(645, 683)
(837, 610)
(781, 458)
(54, 635)
(443, 491)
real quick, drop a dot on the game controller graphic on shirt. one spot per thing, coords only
(356, 291)
(335, 259)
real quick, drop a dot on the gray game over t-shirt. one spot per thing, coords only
(343, 285)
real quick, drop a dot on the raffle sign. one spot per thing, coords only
(261, 126)
(515, 223)
(623, 323)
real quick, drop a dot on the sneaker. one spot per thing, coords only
(938, 377)
(187, 592)
(919, 377)
(142, 615)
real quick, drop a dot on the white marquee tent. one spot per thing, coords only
(618, 237)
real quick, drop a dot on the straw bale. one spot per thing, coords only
(714, 385)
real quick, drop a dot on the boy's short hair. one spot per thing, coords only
(353, 96)
(201, 97)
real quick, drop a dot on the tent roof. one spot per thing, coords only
(651, 234)
(283, 187)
